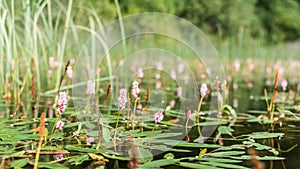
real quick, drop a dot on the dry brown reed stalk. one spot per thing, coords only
(20, 100)
(62, 76)
(257, 164)
(41, 134)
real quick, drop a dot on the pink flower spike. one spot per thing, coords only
(179, 91)
(59, 157)
(90, 88)
(89, 140)
(158, 116)
(203, 90)
(135, 90)
(284, 84)
(62, 102)
(187, 139)
(69, 72)
(122, 99)
(188, 114)
(59, 125)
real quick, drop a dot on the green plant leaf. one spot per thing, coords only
(224, 165)
(226, 153)
(79, 159)
(159, 163)
(19, 163)
(196, 166)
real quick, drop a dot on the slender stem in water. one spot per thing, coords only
(198, 116)
(117, 123)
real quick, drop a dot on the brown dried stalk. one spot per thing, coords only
(41, 133)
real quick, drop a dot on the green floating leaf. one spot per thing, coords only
(165, 148)
(19, 163)
(263, 135)
(225, 130)
(192, 145)
(225, 165)
(248, 157)
(106, 134)
(164, 135)
(80, 149)
(71, 125)
(49, 165)
(159, 163)
(261, 147)
(79, 159)
(220, 160)
(226, 153)
(196, 166)
(144, 155)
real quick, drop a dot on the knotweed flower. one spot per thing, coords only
(135, 90)
(188, 114)
(203, 90)
(172, 103)
(122, 99)
(158, 85)
(140, 73)
(59, 125)
(179, 91)
(59, 157)
(173, 74)
(180, 68)
(51, 62)
(62, 102)
(284, 84)
(90, 88)
(158, 116)
(69, 72)
(89, 140)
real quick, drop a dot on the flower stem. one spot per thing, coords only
(116, 129)
(198, 116)
(133, 117)
(151, 133)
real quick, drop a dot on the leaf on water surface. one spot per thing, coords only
(225, 130)
(80, 149)
(165, 148)
(261, 147)
(226, 153)
(248, 157)
(18, 164)
(106, 134)
(196, 166)
(164, 135)
(225, 165)
(220, 160)
(211, 123)
(49, 165)
(192, 145)
(71, 125)
(143, 155)
(257, 112)
(159, 163)
(262, 135)
(79, 159)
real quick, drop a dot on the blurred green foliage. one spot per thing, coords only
(273, 20)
